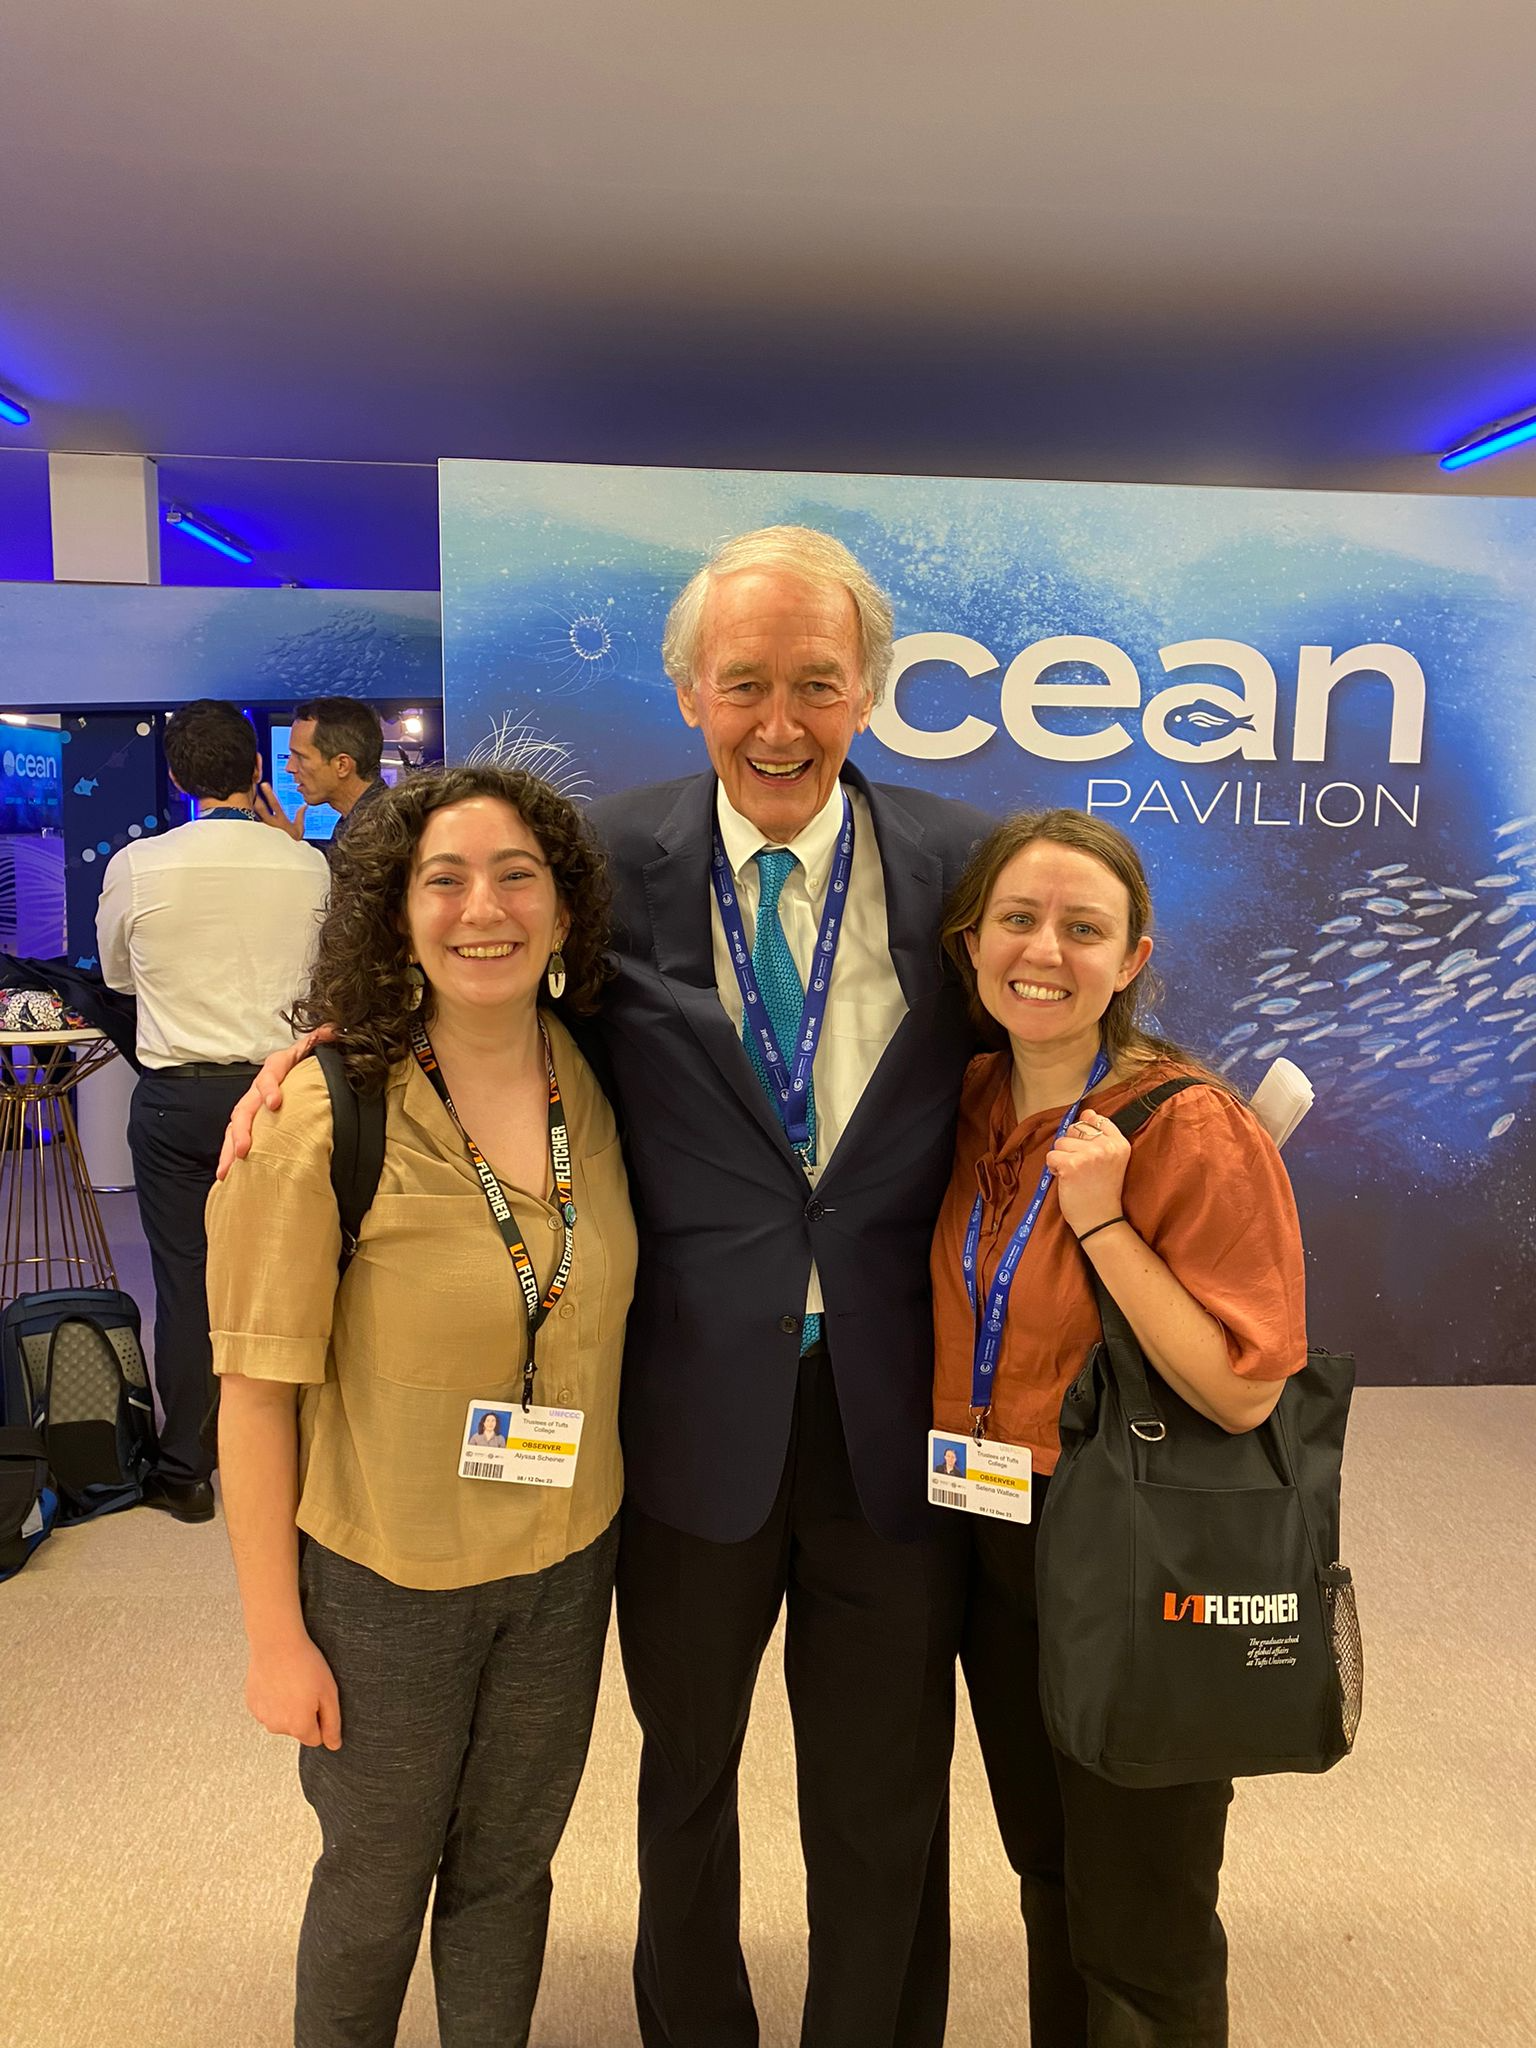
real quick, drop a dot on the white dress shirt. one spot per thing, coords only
(212, 926)
(864, 1003)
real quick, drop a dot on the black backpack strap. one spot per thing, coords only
(1129, 1120)
(357, 1148)
(17, 1441)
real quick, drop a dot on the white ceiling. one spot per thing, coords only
(1166, 239)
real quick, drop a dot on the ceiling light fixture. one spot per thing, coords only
(195, 527)
(1510, 433)
(13, 414)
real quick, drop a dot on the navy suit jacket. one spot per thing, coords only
(729, 1224)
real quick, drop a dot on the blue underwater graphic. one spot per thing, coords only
(1314, 713)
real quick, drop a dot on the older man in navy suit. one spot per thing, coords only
(785, 1050)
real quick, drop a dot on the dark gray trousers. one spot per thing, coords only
(465, 1719)
(175, 1128)
(1118, 1883)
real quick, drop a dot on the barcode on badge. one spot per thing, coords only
(946, 1497)
(477, 1468)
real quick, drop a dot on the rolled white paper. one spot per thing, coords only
(1281, 1099)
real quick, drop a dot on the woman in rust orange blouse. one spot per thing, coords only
(1193, 1231)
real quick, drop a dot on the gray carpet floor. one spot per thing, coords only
(155, 1845)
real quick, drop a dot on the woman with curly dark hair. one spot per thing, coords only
(441, 1421)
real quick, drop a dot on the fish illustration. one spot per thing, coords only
(1395, 984)
(1196, 724)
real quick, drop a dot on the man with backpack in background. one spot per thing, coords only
(211, 926)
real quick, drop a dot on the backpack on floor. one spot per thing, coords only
(72, 1369)
(28, 1504)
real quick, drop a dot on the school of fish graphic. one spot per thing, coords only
(1413, 984)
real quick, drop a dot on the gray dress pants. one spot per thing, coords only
(465, 1719)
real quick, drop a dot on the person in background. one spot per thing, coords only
(211, 926)
(334, 749)
(437, 1651)
(1193, 1232)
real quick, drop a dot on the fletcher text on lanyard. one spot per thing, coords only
(501, 1213)
(791, 1082)
(989, 1327)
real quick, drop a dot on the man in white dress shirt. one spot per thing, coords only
(211, 926)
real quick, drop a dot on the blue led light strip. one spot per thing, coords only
(198, 529)
(13, 414)
(1491, 444)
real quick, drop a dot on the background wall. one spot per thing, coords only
(1344, 875)
(69, 646)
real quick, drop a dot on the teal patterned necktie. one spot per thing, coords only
(783, 993)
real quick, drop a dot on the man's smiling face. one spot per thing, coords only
(778, 693)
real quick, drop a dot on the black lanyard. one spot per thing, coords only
(500, 1208)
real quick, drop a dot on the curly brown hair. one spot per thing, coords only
(1123, 1031)
(362, 982)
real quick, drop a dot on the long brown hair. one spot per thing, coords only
(362, 981)
(1125, 1034)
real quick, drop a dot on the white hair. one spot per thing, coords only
(804, 551)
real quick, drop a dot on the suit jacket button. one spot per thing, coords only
(814, 1211)
(789, 1325)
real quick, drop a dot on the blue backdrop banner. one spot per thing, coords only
(72, 646)
(1314, 713)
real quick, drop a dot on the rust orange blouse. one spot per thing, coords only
(1204, 1188)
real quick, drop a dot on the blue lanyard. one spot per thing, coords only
(222, 813)
(791, 1085)
(989, 1329)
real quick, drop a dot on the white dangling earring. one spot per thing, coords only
(418, 983)
(555, 975)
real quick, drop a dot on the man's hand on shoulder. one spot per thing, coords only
(271, 812)
(265, 1092)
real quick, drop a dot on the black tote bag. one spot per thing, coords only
(1195, 1622)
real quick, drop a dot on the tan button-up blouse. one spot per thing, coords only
(427, 1318)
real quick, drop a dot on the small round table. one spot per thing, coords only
(51, 1232)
